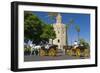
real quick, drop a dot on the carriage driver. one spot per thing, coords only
(75, 44)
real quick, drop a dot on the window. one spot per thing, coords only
(58, 40)
(58, 31)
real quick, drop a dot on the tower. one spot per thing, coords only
(60, 31)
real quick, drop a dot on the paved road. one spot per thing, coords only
(39, 58)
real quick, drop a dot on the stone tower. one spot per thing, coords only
(60, 31)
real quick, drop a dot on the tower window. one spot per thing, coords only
(58, 40)
(58, 31)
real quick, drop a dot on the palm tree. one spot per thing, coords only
(67, 26)
(71, 21)
(52, 15)
(78, 32)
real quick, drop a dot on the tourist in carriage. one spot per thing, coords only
(75, 44)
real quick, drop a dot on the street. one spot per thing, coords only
(46, 58)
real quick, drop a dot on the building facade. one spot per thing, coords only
(60, 31)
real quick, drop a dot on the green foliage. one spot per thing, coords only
(48, 32)
(84, 43)
(35, 29)
(67, 26)
(78, 32)
(77, 28)
(32, 26)
(71, 21)
(52, 15)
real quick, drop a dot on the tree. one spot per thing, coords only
(32, 26)
(84, 43)
(78, 32)
(48, 33)
(71, 21)
(67, 26)
(52, 15)
(37, 30)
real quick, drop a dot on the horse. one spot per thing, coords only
(35, 48)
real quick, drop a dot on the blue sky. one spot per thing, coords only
(82, 20)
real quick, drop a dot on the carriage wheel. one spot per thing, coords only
(78, 52)
(42, 52)
(52, 52)
(69, 52)
(86, 53)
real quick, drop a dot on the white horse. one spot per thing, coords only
(35, 47)
(47, 46)
(29, 45)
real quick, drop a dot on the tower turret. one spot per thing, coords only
(59, 19)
